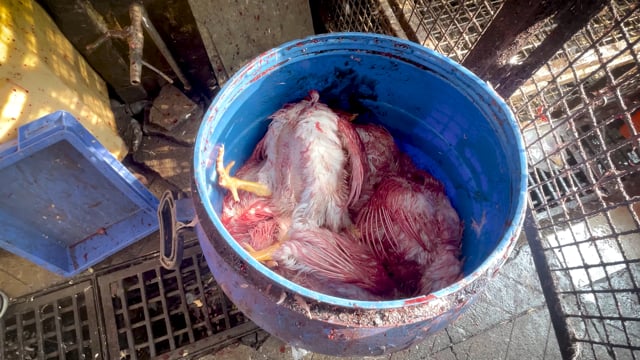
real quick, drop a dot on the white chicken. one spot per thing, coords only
(310, 163)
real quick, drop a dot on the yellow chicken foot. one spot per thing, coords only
(265, 255)
(354, 231)
(234, 184)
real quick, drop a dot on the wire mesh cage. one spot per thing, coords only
(580, 114)
(449, 27)
(358, 16)
(580, 117)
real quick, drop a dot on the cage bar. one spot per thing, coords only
(586, 212)
(153, 312)
(60, 324)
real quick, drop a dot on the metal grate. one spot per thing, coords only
(450, 27)
(356, 15)
(59, 325)
(150, 311)
(577, 114)
(146, 312)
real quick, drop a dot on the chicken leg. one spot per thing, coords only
(234, 184)
(265, 255)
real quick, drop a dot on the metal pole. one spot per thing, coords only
(136, 43)
(155, 37)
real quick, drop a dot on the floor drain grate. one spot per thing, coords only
(150, 311)
(59, 325)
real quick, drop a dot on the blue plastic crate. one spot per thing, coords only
(65, 202)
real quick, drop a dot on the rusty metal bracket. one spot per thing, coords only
(135, 38)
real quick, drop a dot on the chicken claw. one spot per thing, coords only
(354, 231)
(234, 184)
(265, 255)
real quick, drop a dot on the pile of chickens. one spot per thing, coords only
(336, 207)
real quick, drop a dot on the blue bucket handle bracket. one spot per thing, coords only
(4, 303)
(171, 245)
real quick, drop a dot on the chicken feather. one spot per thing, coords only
(307, 147)
(323, 173)
(335, 257)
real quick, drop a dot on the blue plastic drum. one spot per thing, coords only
(450, 122)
